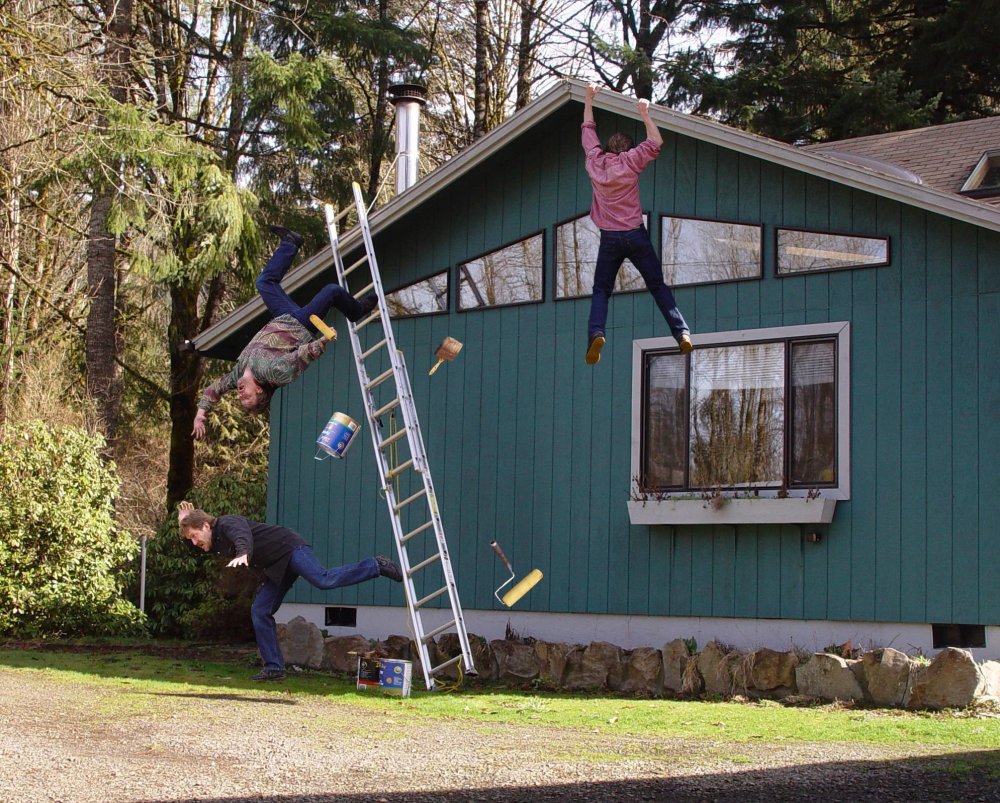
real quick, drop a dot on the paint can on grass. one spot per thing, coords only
(337, 435)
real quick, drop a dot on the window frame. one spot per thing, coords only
(447, 307)
(973, 186)
(646, 217)
(857, 266)
(710, 282)
(840, 331)
(458, 274)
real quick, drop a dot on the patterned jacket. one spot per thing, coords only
(276, 356)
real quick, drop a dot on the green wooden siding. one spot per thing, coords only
(531, 447)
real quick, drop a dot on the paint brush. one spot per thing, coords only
(448, 350)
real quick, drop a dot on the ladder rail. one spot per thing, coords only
(416, 441)
(417, 461)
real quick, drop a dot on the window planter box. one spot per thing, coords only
(757, 510)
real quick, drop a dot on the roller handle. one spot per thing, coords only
(496, 548)
(321, 325)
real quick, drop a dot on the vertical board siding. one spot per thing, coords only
(531, 447)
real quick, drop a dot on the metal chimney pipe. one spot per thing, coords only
(407, 98)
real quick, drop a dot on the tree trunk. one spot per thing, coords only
(481, 88)
(379, 134)
(525, 54)
(186, 371)
(103, 341)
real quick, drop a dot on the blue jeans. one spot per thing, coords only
(278, 303)
(303, 563)
(635, 245)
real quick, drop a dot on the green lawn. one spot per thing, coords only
(729, 721)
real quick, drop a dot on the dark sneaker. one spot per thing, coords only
(386, 568)
(368, 304)
(686, 346)
(287, 234)
(594, 346)
(269, 674)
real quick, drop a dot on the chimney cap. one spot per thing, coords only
(408, 91)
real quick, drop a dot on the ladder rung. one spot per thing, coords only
(409, 499)
(448, 663)
(436, 630)
(365, 291)
(417, 531)
(383, 410)
(356, 265)
(424, 563)
(379, 379)
(399, 469)
(429, 597)
(366, 354)
(395, 436)
(359, 325)
(342, 213)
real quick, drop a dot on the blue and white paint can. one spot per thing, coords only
(337, 435)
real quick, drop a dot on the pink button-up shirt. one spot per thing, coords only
(615, 181)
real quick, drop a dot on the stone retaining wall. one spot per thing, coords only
(883, 677)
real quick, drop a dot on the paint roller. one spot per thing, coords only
(321, 325)
(521, 588)
(448, 350)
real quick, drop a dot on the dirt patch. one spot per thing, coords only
(82, 742)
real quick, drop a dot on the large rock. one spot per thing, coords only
(595, 664)
(951, 680)
(771, 673)
(340, 653)
(715, 667)
(828, 677)
(449, 646)
(675, 661)
(884, 676)
(301, 643)
(990, 671)
(515, 660)
(643, 671)
(554, 657)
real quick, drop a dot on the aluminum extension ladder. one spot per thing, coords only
(408, 484)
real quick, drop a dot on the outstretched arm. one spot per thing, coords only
(652, 132)
(588, 102)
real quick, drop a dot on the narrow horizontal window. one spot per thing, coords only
(577, 242)
(425, 297)
(509, 275)
(703, 251)
(806, 251)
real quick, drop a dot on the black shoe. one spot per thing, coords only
(287, 234)
(368, 304)
(594, 346)
(386, 568)
(270, 674)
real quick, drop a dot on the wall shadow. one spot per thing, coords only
(966, 776)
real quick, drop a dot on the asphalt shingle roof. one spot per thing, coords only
(942, 156)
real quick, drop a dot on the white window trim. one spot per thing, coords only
(840, 329)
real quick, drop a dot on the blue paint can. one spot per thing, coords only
(337, 435)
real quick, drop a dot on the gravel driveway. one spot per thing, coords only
(104, 743)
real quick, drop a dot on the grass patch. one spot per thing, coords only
(163, 677)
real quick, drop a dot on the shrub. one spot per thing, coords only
(60, 550)
(189, 594)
